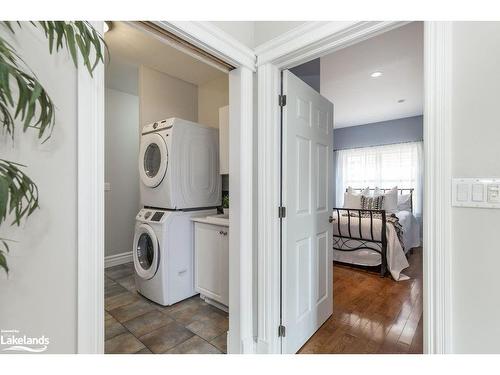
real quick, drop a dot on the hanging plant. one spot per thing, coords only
(31, 106)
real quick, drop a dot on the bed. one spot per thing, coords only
(375, 238)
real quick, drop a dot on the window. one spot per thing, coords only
(398, 165)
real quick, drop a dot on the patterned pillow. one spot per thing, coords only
(372, 203)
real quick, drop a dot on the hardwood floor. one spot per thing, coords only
(373, 314)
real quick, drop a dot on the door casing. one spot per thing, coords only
(316, 39)
(90, 299)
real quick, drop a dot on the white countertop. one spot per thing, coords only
(222, 220)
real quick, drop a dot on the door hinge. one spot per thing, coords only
(281, 212)
(281, 331)
(282, 100)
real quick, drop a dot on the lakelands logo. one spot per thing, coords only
(11, 340)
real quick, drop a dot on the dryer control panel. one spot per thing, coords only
(151, 215)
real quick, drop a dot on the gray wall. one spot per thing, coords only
(121, 171)
(40, 295)
(309, 72)
(475, 153)
(408, 129)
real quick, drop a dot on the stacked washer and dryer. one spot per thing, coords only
(179, 173)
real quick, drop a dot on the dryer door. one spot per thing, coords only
(146, 252)
(153, 159)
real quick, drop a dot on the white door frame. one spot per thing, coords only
(90, 331)
(307, 42)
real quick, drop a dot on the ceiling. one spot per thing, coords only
(130, 47)
(360, 99)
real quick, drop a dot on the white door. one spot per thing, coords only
(307, 188)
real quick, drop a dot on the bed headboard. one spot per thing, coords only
(400, 191)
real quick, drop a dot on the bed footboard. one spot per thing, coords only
(343, 239)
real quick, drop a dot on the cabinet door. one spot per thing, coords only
(209, 258)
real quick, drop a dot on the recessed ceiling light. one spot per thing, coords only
(376, 74)
(401, 100)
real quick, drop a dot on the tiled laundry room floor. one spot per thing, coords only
(136, 325)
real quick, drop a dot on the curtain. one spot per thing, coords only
(387, 166)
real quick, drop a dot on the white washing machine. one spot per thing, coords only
(163, 254)
(179, 165)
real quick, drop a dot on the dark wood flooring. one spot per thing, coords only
(373, 314)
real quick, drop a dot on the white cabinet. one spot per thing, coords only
(212, 261)
(224, 140)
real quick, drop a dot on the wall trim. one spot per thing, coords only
(90, 206)
(318, 38)
(315, 39)
(241, 218)
(117, 259)
(268, 279)
(438, 333)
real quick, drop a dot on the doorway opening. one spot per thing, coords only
(368, 167)
(166, 195)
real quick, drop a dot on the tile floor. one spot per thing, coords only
(133, 324)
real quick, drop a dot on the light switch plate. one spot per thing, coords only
(476, 192)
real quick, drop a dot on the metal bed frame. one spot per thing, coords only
(341, 240)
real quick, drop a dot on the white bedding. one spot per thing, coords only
(396, 258)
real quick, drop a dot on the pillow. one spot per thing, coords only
(390, 203)
(404, 202)
(353, 199)
(372, 203)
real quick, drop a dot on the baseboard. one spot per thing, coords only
(117, 259)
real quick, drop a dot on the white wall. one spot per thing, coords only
(242, 31)
(162, 96)
(121, 171)
(39, 296)
(476, 145)
(267, 30)
(211, 96)
(254, 33)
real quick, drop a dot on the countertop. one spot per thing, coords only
(222, 220)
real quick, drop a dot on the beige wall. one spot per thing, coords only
(162, 96)
(211, 96)
(476, 153)
(40, 295)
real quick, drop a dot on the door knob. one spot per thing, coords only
(330, 219)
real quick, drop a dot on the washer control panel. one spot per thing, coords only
(476, 192)
(151, 215)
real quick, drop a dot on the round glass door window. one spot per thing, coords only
(145, 251)
(152, 160)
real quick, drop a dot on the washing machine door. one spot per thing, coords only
(153, 159)
(146, 252)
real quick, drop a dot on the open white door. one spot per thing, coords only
(307, 188)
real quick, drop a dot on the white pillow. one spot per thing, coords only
(404, 202)
(390, 203)
(353, 199)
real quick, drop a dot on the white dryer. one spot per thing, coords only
(163, 254)
(179, 165)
